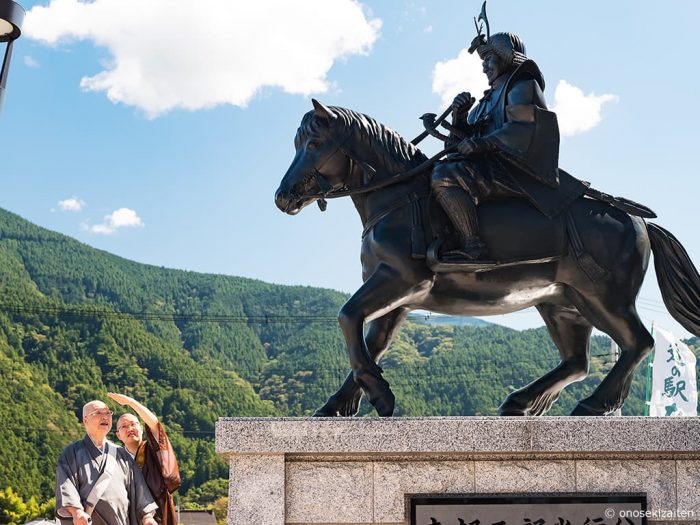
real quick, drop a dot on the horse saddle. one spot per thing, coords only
(514, 231)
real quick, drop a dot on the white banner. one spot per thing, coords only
(674, 385)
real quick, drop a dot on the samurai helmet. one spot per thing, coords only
(508, 46)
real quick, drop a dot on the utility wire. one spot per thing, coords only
(81, 312)
(93, 312)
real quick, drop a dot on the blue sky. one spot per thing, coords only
(183, 113)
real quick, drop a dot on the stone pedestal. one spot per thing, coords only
(360, 471)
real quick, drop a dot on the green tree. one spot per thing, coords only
(14, 510)
(220, 508)
(207, 493)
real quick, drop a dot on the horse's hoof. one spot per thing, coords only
(326, 411)
(511, 412)
(378, 391)
(582, 409)
(384, 405)
(335, 407)
(512, 407)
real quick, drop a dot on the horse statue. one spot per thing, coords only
(580, 270)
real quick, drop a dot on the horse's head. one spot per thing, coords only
(320, 165)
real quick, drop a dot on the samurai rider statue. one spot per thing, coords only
(508, 145)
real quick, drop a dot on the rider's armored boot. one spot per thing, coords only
(461, 210)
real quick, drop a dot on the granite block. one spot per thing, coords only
(329, 492)
(393, 480)
(528, 437)
(524, 476)
(651, 435)
(359, 470)
(427, 435)
(656, 478)
(256, 490)
(688, 486)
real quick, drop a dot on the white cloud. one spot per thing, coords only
(121, 218)
(463, 73)
(577, 112)
(101, 229)
(195, 54)
(31, 62)
(71, 204)
(124, 218)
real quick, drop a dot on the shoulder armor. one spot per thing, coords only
(526, 91)
(528, 69)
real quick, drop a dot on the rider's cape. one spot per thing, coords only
(528, 139)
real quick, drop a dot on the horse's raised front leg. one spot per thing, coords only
(571, 332)
(346, 401)
(384, 291)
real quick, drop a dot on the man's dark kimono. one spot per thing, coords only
(125, 501)
(157, 461)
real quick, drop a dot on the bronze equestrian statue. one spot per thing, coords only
(538, 237)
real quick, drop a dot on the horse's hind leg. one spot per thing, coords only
(570, 331)
(346, 401)
(635, 341)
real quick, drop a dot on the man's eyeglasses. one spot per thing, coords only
(133, 424)
(101, 413)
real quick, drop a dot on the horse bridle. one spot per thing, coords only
(325, 187)
(322, 182)
(329, 191)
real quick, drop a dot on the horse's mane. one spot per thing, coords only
(393, 150)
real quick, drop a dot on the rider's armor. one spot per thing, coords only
(516, 150)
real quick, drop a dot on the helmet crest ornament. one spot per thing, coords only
(507, 45)
(480, 39)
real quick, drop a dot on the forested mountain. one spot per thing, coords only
(76, 322)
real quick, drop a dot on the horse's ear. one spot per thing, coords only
(323, 112)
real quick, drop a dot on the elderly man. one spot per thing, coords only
(96, 480)
(155, 455)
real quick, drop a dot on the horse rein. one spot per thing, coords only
(327, 190)
(377, 185)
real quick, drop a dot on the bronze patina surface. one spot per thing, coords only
(493, 227)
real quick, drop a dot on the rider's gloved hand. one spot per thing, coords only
(474, 146)
(462, 103)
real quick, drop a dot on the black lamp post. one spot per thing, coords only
(11, 18)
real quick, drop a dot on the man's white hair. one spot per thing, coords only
(88, 407)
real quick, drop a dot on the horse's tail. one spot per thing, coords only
(679, 281)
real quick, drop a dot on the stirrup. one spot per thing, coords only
(473, 249)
